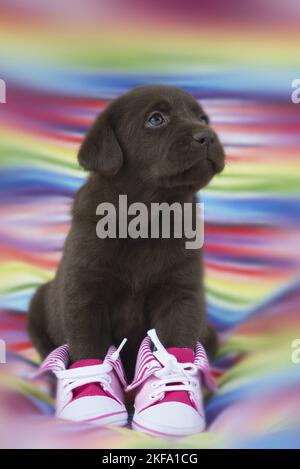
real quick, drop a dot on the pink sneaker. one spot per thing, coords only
(169, 399)
(89, 390)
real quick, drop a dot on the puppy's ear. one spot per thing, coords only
(100, 150)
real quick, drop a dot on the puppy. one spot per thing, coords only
(153, 144)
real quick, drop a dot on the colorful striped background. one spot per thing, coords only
(62, 64)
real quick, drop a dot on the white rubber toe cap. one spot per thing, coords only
(100, 410)
(169, 419)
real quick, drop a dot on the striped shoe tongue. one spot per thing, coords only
(182, 355)
(91, 389)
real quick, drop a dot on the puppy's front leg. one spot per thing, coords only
(86, 319)
(176, 310)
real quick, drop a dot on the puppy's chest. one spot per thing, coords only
(142, 262)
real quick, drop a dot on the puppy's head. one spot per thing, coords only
(156, 135)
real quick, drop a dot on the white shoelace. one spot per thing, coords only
(75, 377)
(174, 376)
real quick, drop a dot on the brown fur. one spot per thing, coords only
(108, 289)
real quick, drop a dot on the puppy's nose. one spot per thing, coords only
(205, 137)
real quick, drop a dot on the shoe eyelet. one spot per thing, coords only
(154, 384)
(151, 397)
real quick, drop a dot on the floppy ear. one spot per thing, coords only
(100, 150)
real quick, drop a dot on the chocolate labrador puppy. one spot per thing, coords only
(153, 144)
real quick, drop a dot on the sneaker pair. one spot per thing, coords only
(167, 387)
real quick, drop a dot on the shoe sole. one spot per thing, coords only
(165, 434)
(102, 421)
(119, 419)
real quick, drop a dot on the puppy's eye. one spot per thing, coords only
(204, 118)
(156, 119)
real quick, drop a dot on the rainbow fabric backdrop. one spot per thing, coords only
(62, 63)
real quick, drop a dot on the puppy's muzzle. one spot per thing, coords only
(208, 142)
